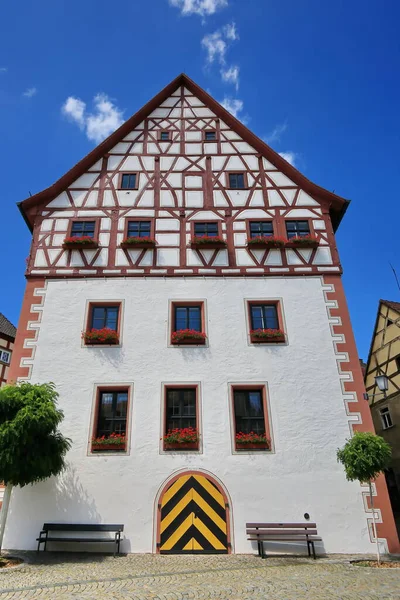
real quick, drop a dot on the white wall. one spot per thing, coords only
(308, 417)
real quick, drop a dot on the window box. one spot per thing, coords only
(263, 241)
(206, 241)
(267, 335)
(115, 442)
(185, 438)
(103, 336)
(188, 336)
(304, 241)
(138, 242)
(84, 241)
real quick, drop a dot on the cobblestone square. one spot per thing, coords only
(154, 577)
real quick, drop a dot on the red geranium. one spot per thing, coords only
(188, 334)
(79, 241)
(270, 241)
(207, 239)
(114, 439)
(267, 333)
(100, 336)
(252, 438)
(186, 435)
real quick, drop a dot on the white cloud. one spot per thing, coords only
(98, 124)
(203, 8)
(233, 105)
(215, 47)
(231, 75)
(230, 31)
(276, 133)
(3, 69)
(290, 157)
(30, 92)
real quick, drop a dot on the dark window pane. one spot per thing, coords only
(181, 408)
(105, 316)
(261, 228)
(249, 411)
(264, 316)
(112, 413)
(297, 228)
(83, 228)
(236, 180)
(211, 135)
(165, 135)
(209, 229)
(128, 181)
(139, 228)
(187, 317)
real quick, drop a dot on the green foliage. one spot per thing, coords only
(364, 456)
(31, 447)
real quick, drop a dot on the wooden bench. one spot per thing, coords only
(44, 537)
(283, 532)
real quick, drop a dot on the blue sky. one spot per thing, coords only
(318, 80)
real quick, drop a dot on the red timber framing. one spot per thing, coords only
(192, 174)
(357, 408)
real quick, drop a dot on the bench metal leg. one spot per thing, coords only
(308, 548)
(262, 550)
(313, 549)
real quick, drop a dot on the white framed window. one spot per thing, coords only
(386, 417)
(5, 356)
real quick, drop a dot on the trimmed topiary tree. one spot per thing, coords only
(31, 447)
(364, 457)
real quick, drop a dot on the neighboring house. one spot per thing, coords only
(169, 225)
(384, 359)
(7, 338)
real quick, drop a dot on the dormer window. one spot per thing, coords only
(210, 135)
(164, 136)
(129, 181)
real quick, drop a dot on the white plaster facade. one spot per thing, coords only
(307, 412)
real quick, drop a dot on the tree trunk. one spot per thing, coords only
(4, 512)
(374, 523)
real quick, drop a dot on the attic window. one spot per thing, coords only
(129, 181)
(164, 136)
(210, 135)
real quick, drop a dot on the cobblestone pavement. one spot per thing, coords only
(153, 577)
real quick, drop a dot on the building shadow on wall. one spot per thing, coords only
(110, 356)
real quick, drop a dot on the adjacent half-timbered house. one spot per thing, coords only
(184, 293)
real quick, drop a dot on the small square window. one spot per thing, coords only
(129, 181)
(83, 229)
(187, 327)
(251, 427)
(386, 418)
(261, 228)
(181, 426)
(139, 228)
(208, 229)
(297, 229)
(164, 136)
(265, 322)
(264, 316)
(110, 426)
(236, 181)
(5, 356)
(210, 136)
(102, 316)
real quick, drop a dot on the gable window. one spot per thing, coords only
(206, 229)
(5, 356)
(129, 181)
(83, 229)
(139, 228)
(164, 136)
(236, 181)
(181, 427)
(261, 228)
(110, 422)
(210, 135)
(297, 229)
(188, 323)
(250, 419)
(386, 417)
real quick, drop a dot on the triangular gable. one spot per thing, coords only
(395, 306)
(157, 105)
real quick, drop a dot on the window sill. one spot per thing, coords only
(181, 447)
(108, 448)
(189, 342)
(265, 244)
(307, 244)
(90, 246)
(386, 428)
(141, 245)
(252, 447)
(209, 245)
(277, 340)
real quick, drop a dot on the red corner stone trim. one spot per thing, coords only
(356, 407)
(27, 331)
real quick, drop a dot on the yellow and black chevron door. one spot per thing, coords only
(193, 517)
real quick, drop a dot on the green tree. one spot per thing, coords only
(364, 457)
(31, 447)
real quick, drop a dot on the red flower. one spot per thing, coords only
(84, 239)
(207, 239)
(267, 333)
(252, 438)
(186, 435)
(100, 336)
(272, 241)
(188, 334)
(136, 241)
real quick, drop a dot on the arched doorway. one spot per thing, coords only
(193, 516)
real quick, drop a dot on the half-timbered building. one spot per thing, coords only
(184, 293)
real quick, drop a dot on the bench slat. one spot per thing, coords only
(283, 525)
(81, 527)
(70, 539)
(278, 532)
(298, 538)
